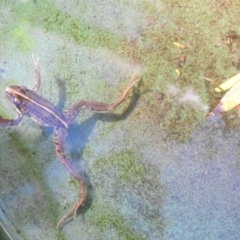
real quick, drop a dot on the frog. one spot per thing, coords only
(30, 104)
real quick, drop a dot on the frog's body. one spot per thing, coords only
(29, 103)
(36, 107)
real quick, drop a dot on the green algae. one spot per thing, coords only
(45, 15)
(104, 217)
(30, 168)
(23, 41)
(124, 177)
(155, 51)
(126, 165)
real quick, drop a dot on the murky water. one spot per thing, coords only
(155, 168)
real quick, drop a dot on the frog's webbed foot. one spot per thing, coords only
(59, 136)
(71, 112)
(124, 94)
(73, 210)
(37, 74)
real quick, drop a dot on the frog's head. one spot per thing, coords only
(16, 95)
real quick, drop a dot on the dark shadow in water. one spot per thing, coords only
(78, 135)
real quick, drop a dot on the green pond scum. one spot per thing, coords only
(206, 54)
(172, 95)
(123, 177)
(104, 217)
(126, 165)
(205, 51)
(31, 169)
(45, 15)
(21, 38)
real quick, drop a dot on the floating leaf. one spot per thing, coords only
(229, 83)
(232, 98)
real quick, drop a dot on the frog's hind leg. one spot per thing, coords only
(59, 136)
(71, 112)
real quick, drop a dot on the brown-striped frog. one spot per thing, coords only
(28, 103)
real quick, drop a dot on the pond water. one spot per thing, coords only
(154, 168)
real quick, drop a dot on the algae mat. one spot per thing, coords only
(156, 168)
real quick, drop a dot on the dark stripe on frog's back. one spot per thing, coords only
(42, 111)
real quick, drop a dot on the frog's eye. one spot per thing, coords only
(15, 100)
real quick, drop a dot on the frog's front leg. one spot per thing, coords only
(11, 122)
(59, 136)
(37, 74)
(71, 112)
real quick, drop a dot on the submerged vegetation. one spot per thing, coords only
(177, 53)
(173, 51)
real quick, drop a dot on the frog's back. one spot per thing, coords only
(42, 111)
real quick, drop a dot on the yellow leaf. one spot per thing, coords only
(178, 45)
(232, 98)
(229, 83)
(178, 71)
